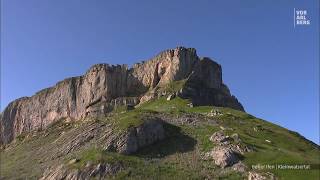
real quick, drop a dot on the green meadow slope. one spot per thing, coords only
(179, 156)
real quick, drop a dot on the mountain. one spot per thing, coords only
(103, 87)
(170, 117)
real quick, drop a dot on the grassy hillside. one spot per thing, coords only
(284, 146)
(177, 157)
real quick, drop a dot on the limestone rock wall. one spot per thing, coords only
(105, 86)
(171, 65)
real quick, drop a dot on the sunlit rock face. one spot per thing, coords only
(104, 87)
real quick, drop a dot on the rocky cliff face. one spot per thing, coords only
(105, 87)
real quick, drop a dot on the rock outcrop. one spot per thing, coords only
(104, 87)
(224, 156)
(135, 138)
(227, 151)
(260, 176)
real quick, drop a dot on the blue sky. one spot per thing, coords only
(272, 67)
